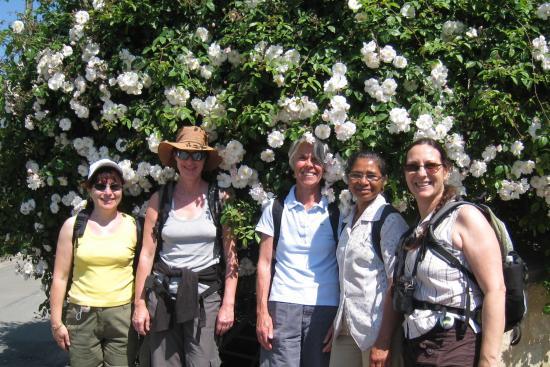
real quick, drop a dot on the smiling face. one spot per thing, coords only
(190, 168)
(106, 192)
(365, 181)
(308, 171)
(425, 185)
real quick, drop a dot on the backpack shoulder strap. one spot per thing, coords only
(139, 240)
(277, 213)
(377, 229)
(79, 227)
(166, 192)
(334, 216)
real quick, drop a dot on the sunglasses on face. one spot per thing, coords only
(103, 187)
(430, 168)
(184, 155)
(358, 176)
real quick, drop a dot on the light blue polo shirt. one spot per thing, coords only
(306, 270)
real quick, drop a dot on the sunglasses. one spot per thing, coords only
(430, 168)
(103, 187)
(184, 155)
(358, 176)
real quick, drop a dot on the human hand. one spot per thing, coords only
(61, 337)
(141, 318)
(264, 330)
(378, 357)
(328, 339)
(225, 319)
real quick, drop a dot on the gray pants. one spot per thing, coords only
(298, 334)
(186, 344)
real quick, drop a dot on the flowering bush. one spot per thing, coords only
(97, 79)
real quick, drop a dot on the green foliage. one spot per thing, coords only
(495, 91)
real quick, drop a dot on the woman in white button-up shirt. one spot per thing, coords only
(365, 319)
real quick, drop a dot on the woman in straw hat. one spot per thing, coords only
(97, 329)
(185, 245)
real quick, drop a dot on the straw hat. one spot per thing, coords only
(192, 139)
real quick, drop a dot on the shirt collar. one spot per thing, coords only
(291, 201)
(371, 213)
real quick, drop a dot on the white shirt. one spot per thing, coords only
(439, 283)
(306, 271)
(363, 275)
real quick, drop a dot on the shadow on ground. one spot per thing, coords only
(30, 345)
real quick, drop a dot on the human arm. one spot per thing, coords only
(226, 315)
(141, 318)
(264, 323)
(61, 271)
(478, 241)
(390, 319)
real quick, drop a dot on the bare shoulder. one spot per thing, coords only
(470, 216)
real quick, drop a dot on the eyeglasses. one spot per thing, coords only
(103, 187)
(430, 168)
(184, 155)
(358, 176)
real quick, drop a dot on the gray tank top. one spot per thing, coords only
(189, 243)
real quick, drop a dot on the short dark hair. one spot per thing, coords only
(367, 154)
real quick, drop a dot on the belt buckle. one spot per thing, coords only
(446, 321)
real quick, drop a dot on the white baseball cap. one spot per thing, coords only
(103, 163)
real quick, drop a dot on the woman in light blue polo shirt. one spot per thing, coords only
(297, 304)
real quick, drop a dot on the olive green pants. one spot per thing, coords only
(101, 336)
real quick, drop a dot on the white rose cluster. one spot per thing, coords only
(259, 195)
(243, 176)
(408, 11)
(34, 181)
(429, 128)
(189, 60)
(338, 112)
(98, 4)
(478, 168)
(372, 55)
(27, 206)
(328, 192)
(322, 131)
(516, 148)
(354, 5)
(438, 75)
(210, 109)
(540, 52)
(345, 202)
(381, 92)
(338, 80)
(542, 186)
(113, 111)
(231, 154)
(520, 168)
(275, 139)
(153, 141)
(490, 152)
(399, 121)
(543, 11)
(451, 29)
(202, 34)
(276, 59)
(334, 168)
(511, 190)
(132, 82)
(454, 145)
(295, 109)
(216, 54)
(18, 26)
(177, 95)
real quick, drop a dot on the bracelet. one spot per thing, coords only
(55, 328)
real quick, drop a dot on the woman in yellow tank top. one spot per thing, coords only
(97, 330)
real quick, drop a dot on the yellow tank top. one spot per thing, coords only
(102, 267)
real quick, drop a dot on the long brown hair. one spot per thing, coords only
(449, 192)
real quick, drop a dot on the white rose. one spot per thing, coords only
(400, 62)
(81, 17)
(65, 124)
(275, 139)
(387, 54)
(17, 26)
(322, 131)
(354, 5)
(408, 11)
(267, 155)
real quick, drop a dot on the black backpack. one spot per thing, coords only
(513, 267)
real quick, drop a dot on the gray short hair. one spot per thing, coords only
(320, 151)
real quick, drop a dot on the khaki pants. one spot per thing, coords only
(101, 336)
(345, 351)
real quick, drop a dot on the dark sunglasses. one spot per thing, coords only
(430, 168)
(184, 155)
(103, 187)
